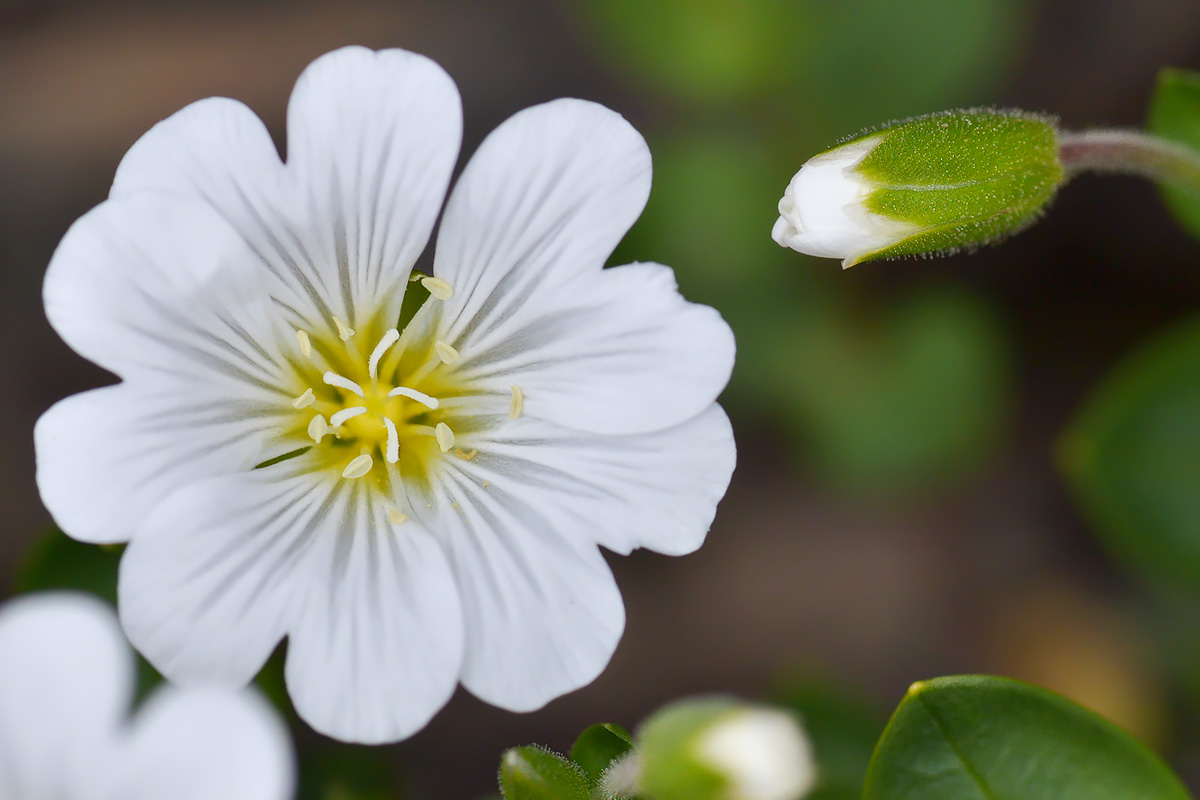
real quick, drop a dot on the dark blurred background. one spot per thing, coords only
(897, 512)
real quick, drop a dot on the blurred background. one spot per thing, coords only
(906, 502)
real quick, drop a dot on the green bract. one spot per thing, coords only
(983, 738)
(965, 178)
(933, 184)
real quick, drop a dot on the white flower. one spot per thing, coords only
(761, 752)
(450, 476)
(66, 684)
(823, 213)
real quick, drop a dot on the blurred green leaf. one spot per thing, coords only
(56, 561)
(532, 773)
(336, 771)
(598, 746)
(700, 52)
(1132, 456)
(827, 64)
(990, 738)
(1175, 115)
(843, 731)
(900, 401)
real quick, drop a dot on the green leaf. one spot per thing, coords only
(533, 773)
(984, 738)
(1175, 115)
(599, 746)
(1132, 457)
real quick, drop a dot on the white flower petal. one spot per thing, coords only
(377, 647)
(543, 613)
(372, 140)
(106, 458)
(614, 351)
(547, 196)
(212, 578)
(658, 490)
(66, 681)
(204, 743)
(160, 284)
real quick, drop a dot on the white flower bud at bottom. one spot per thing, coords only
(763, 754)
(823, 211)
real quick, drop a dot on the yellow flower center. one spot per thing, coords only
(378, 404)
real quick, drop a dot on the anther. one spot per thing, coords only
(333, 379)
(358, 467)
(389, 339)
(317, 428)
(517, 404)
(437, 287)
(346, 413)
(444, 436)
(393, 442)
(305, 343)
(344, 330)
(396, 516)
(413, 394)
(305, 400)
(445, 352)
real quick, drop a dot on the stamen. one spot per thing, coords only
(305, 343)
(305, 400)
(413, 394)
(444, 436)
(389, 339)
(517, 404)
(437, 287)
(393, 442)
(346, 413)
(445, 352)
(317, 428)
(396, 516)
(344, 330)
(358, 467)
(333, 379)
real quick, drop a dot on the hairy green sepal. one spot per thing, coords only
(963, 178)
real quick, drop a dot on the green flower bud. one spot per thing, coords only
(933, 184)
(722, 749)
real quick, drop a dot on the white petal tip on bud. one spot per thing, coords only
(763, 752)
(823, 213)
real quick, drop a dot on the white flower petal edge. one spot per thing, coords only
(372, 140)
(223, 569)
(527, 229)
(539, 495)
(66, 682)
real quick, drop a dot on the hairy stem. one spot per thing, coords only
(1130, 152)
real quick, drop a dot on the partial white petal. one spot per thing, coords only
(106, 458)
(213, 577)
(372, 140)
(66, 682)
(543, 613)
(613, 351)
(377, 647)
(160, 284)
(823, 211)
(204, 743)
(658, 490)
(547, 196)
